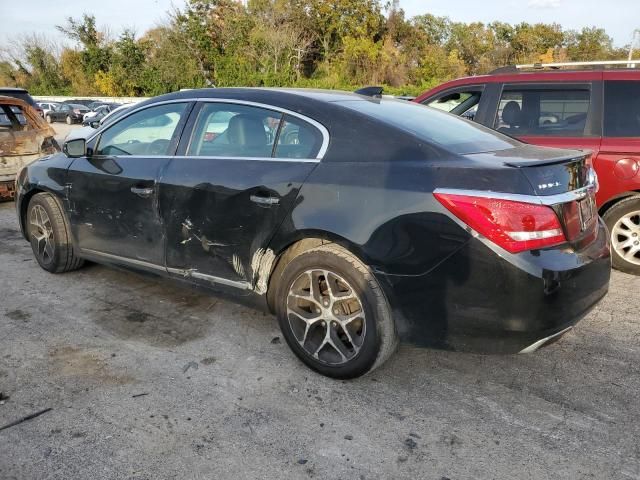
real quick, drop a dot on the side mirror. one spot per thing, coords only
(75, 148)
(94, 123)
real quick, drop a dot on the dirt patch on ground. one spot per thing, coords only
(85, 364)
(166, 330)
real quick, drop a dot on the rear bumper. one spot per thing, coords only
(480, 301)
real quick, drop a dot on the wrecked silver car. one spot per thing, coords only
(24, 137)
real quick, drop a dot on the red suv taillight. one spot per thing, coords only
(514, 226)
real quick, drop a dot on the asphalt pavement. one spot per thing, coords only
(148, 380)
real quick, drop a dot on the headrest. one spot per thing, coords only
(246, 130)
(511, 114)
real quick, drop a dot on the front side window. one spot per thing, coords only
(543, 112)
(622, 109)
(147, 132)
(463, 103)
(232, 130)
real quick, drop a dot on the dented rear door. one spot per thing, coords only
(220, 211)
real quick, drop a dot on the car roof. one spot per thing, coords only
(260, 93)
(13, 89)
(515, 75)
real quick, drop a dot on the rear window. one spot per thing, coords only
(434, 126)
(622, 109)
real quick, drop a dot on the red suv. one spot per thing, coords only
(586, 105)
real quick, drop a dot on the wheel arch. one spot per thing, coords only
(287, 250)
(617, 198)
(24, 206)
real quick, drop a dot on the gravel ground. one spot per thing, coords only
(147, 380)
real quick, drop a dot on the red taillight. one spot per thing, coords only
(514, 226)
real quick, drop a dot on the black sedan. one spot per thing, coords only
(358, 221)
(67, 112)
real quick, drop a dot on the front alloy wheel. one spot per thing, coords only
(41, 232)
(49, 234)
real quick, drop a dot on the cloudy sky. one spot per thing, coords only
(619, 17)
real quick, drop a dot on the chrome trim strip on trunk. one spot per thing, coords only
(536, 345)
(547, 200)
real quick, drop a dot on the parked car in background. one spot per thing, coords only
(99, 112)
(48, 107)
(87, 102)
(23, 95)
(24, 137)
(359, 221)
(593, 106)
(109, 117)
(67, 112)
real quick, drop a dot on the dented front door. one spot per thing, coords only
(113, 193)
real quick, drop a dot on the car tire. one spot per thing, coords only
(49, 235)
(49, 119)
(69, 120)
(343, 331)
(623, 222)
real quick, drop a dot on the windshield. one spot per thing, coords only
(443, 129)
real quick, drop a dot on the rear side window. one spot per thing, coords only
(297, 139)
(544, 112)
(232, 130)
(244, 131)
(622, 109)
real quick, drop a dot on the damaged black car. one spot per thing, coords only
(359, 221)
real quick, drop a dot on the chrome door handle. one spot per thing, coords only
(264, 200)
(142, 192)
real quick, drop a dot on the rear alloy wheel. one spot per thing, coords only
(69, 120)
(623, 220)
(49, 235)
(333, 313)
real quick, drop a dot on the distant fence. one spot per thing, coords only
(55, 98)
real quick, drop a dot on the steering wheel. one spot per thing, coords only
(158, 147)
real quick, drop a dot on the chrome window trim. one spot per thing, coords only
(262, 159)
(187, 273)
(548, 200)
(323, 130)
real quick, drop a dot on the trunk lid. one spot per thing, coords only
(565, 177)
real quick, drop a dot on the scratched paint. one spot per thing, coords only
(261, 264)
